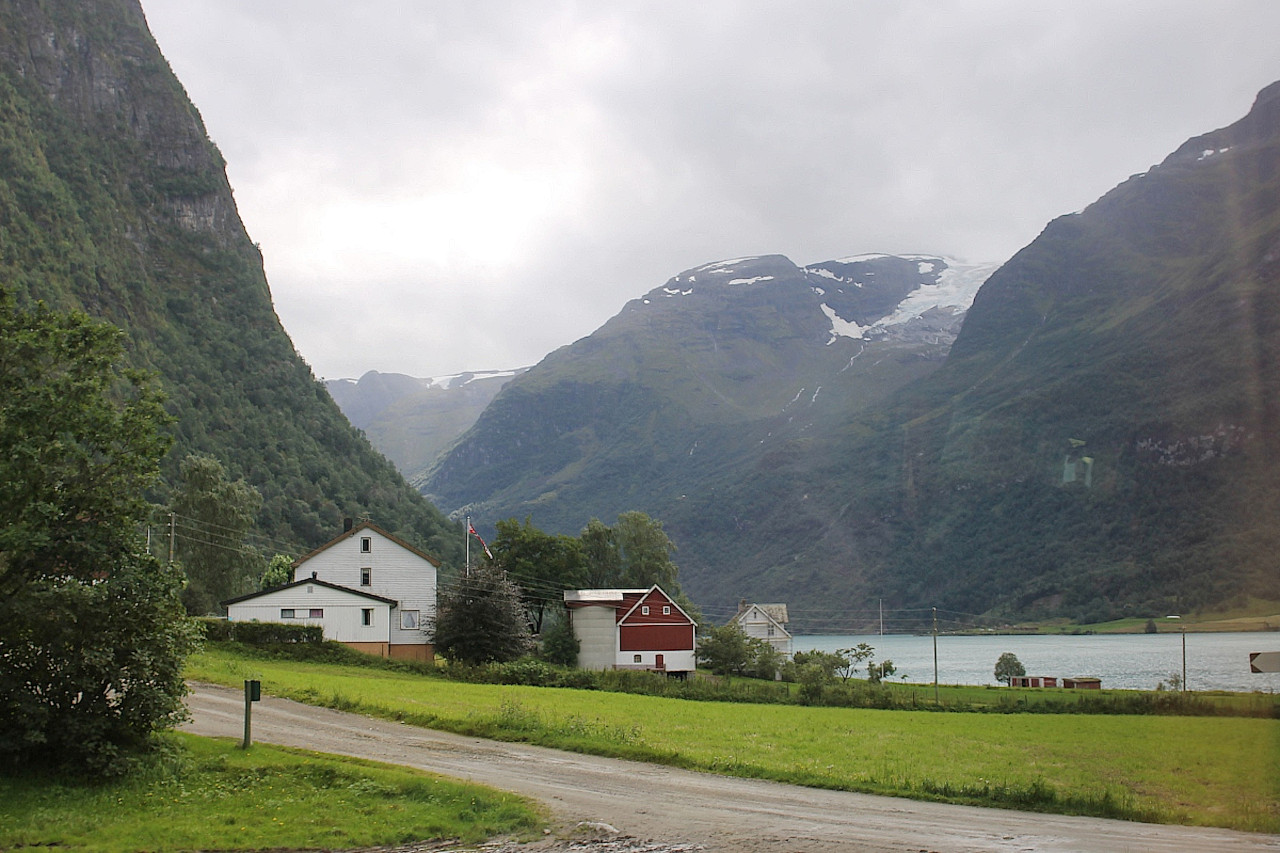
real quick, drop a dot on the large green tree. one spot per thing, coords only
(92, 633)
(543, 565)
(212, 516)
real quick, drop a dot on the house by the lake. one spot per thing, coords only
(631, 629)
(766, 622)
(366, 588)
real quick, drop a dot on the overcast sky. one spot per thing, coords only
(449, 186)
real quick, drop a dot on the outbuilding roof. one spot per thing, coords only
(315, 581)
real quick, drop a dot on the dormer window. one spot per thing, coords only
(366, 544)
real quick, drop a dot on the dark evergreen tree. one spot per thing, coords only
(480, 618)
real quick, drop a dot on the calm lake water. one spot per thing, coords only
(1136, 661)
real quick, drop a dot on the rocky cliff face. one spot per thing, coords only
(113, 200)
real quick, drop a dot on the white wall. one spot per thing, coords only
(596, 629)
(671, 661)
(342, 612)
(395, 572)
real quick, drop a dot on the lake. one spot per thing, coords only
(1134, 661)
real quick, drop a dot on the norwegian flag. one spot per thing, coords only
(472, 531)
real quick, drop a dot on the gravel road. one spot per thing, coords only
(627, 807)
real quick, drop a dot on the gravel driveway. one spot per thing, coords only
(605, 805)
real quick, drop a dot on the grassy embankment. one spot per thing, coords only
(215, 796)
(1196, 770)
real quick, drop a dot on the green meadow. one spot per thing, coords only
(1216, 771)
(211, 795)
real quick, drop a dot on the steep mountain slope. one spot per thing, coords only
(1104, 434)
(112, 199)
(695, 386)
(412, 421)
(1102, 438)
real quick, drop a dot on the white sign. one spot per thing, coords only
(1264, 661)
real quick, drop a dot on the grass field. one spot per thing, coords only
(214, 796)
(1195, 770)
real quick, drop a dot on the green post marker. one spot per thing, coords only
(252, 693)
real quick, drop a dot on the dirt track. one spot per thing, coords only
(677, 810)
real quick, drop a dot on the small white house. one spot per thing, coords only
(366, 588)
(766, 622)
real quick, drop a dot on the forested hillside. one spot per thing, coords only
(113, 200)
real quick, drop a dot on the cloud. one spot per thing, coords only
(449, 186)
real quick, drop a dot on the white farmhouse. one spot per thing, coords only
(766, 622)
(366, 588)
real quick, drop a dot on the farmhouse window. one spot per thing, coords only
(409, 620)
(644, 611)
(286, 613)
(637, 658)
(366, 616)
(366, 577)
(666, 610)
(316, 613)
(770, 630)
(366, 544)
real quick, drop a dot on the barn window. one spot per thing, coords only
(666, 610)
(637, 659)
(366, 616)
(316, 613)
(644, 611)
(366, 544)
(366, 577)
(286, 613)
(409, 620)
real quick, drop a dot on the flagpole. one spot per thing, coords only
(466, 534)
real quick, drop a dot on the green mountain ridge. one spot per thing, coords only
(114, 201)
(1100, 441)
(694, 394)
(413, 420)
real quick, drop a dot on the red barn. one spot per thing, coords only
(631, 629)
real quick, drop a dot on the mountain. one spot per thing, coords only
(1103, 437)
(411, 420)
(1099, 440)
(113, 200)
(695, 387)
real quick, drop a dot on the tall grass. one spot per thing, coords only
(1216, 771)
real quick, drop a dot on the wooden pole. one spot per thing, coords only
(248, 714)
(935, 656)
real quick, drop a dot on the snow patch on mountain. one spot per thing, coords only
(952, 294)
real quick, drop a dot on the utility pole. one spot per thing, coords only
(467, 535)
(172, 525)
(882, 618)
(1183, 626)
(935, 656)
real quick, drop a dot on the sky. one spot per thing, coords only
(439, 186)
